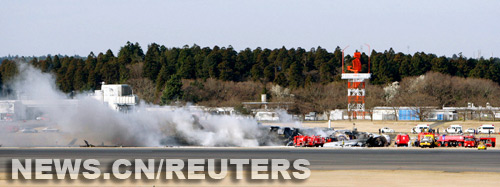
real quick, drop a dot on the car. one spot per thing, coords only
(470, 130)
(420, 128)
(29, 130)
(50, 130)
(42, 118)
(454, 129)
(481, 146)
(386, 130)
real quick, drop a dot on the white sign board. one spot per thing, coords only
(356, 75)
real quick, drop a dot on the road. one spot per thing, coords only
(450, 160)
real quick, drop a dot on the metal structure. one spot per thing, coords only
(356, 86)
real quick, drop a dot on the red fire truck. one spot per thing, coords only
(308, 141)
(451, 140)
(402, 140)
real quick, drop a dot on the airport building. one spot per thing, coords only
(119, 97)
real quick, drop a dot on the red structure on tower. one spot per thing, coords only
(356, 86)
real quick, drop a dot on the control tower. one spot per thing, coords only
(355, 86)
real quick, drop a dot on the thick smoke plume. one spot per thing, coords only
(87, 118)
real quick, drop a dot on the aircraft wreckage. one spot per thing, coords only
(333, 138)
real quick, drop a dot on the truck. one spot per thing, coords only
(308, 141)
(454, 129)
(427, 140)
(402, 140)
(488, 141)
(470, 141)
(300, 140)
(319, 141)
(451, 140)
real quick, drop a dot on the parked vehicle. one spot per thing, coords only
(421, 128)
(427, 140)
(454, 129)
(421, 136)
(486, 129)
(402, 140)
(319, 141)
(470, 130)
(488, 141)
(300, 141)
(50, 130)
(308, 141)
(29, 130)
(386, 130)
(481, 146)
(451, 141)
(470, 141)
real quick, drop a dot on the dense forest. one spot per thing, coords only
(212, 75)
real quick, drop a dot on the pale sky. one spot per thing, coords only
(443, 27)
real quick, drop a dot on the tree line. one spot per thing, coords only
(295, 68)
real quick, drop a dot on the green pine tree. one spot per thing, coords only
(172, 91)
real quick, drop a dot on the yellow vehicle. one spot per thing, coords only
(427, 141)
(481, 146)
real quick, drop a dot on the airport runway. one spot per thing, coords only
(451, 160)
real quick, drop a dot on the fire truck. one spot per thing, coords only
(488, 141)
(308, 141)
(451, 140)
(427, 139)
(470, 141)
(402, 140)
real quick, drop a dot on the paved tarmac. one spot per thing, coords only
(450, 160)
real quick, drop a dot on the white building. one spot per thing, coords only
(267, 116)
(119, 97)
(338, 114)
(384, 113)
(8, 109)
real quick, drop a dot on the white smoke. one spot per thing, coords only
(87, 118)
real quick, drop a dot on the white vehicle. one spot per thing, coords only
(486, 128)
(454, 129)
(310, 117)
(50, 130)
(470, 130)
(29, 130)
(386, 130)
(421, 128)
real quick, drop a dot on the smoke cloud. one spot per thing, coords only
(83, 117)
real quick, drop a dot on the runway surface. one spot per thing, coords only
(450, 160)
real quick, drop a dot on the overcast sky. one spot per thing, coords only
(442, 27)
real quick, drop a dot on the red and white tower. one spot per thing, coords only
(355, 86)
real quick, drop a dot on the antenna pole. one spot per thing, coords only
(343, 58)
(369, 55)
